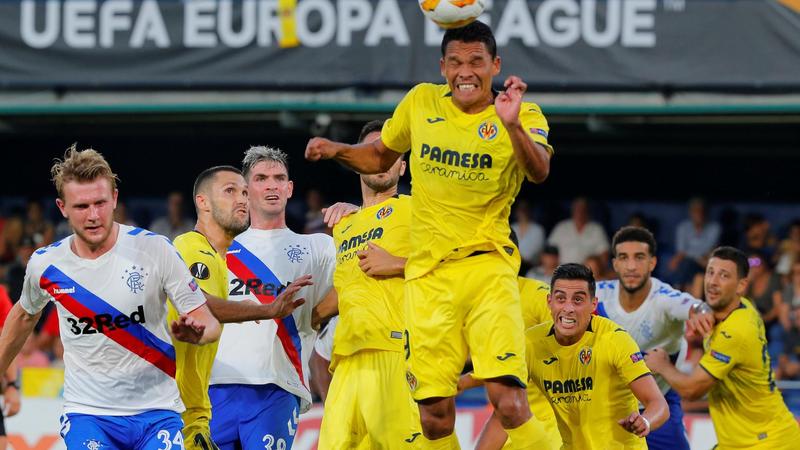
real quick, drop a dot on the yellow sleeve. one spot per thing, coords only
(533, 296)
(535, 124)
(628, 359)
(396, 132)
(724, 351)
(200, 264)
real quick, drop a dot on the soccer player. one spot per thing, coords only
(110, 283)
(369, 404)
(471, 148)
(259, 381)
(591, 370)
(746, 408)
(220, 198)
(653, 313)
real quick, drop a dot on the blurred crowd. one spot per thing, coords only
(569, 236)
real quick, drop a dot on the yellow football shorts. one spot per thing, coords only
(465, 306)
(369, 404)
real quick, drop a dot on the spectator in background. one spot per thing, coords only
(789, 359)
(757, 237)
(314, 222)
(789, 250)
(10, 380)
(694, 240)
(790, 295)
(37, 228)
(530, 235)
(121, 215)
(15, 272)
(11, 238)
(578, 238)
(764, 290)
(175, 222)
(600, 272)
(548, 261)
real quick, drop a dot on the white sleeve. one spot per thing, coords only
(676, 304)
(324, 266)
(176, 281)
(33, 298)
(324, 344)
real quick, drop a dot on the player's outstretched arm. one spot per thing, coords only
(19, 325)
(11, 397)
(367, 158)
(691, 386)
(197, 327)
(655, 413)
(246, 311)
(532, 157)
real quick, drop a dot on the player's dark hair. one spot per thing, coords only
(370, 127)
(207, 175)
(573, 271)
(733, 254)
(633, 234)
(474, 32)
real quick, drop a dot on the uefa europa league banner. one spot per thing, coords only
(552, 44)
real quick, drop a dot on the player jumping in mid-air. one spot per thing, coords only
(259, 382)
(471, 148)
(110, 283)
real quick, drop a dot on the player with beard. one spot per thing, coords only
(746, 407)
(653, 313)
(220, 198)
(369, 404)
(259, 381)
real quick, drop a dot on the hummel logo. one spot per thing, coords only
(70, 290)
(235, 251)
(413, 437)
(435, 119)
(506, 356)
(206, 252)
(552, 359)
(728, 336)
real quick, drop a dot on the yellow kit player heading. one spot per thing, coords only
(746, 408)
(471, 147)
(591, 370)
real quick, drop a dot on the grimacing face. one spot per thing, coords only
(633, 264)
(571, 305)
(269, 188)
(89, 209)
(228, 202)
(469, 69)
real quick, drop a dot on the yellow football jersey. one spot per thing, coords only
(194, 361)
(587, 383)
(370, 309)
(746, 408)
(465, 175)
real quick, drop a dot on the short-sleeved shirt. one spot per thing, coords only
(465, 175)
(746, 407)
(118, 355)
(370, 309)
(574, 246)
(261, 263)
(587, 383)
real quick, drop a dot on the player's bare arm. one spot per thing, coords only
(235, 312)
(691, 386)
(656, 410)
(328, 307)
(19, 325)
(367, 158)
(534, 159)
(320, 375)
(334, 214)
(197, 327)
(493, 436)
(11, 397)
(377, 262)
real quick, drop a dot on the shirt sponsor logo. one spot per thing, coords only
(102, 323)
(361, 239)
(568, 386)
(254, 286)
(487, 130)
(456, 158)
(720, 356)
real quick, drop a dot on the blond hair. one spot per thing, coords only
(81, 166)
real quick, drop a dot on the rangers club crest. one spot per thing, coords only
(585, 356)
(135, 279)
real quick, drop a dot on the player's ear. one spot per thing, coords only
(496, 66)
(741, 286)
(115, 196)
(201, 202)
(61, 205)
(291, 189)
(653, 262)
(441, 66)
